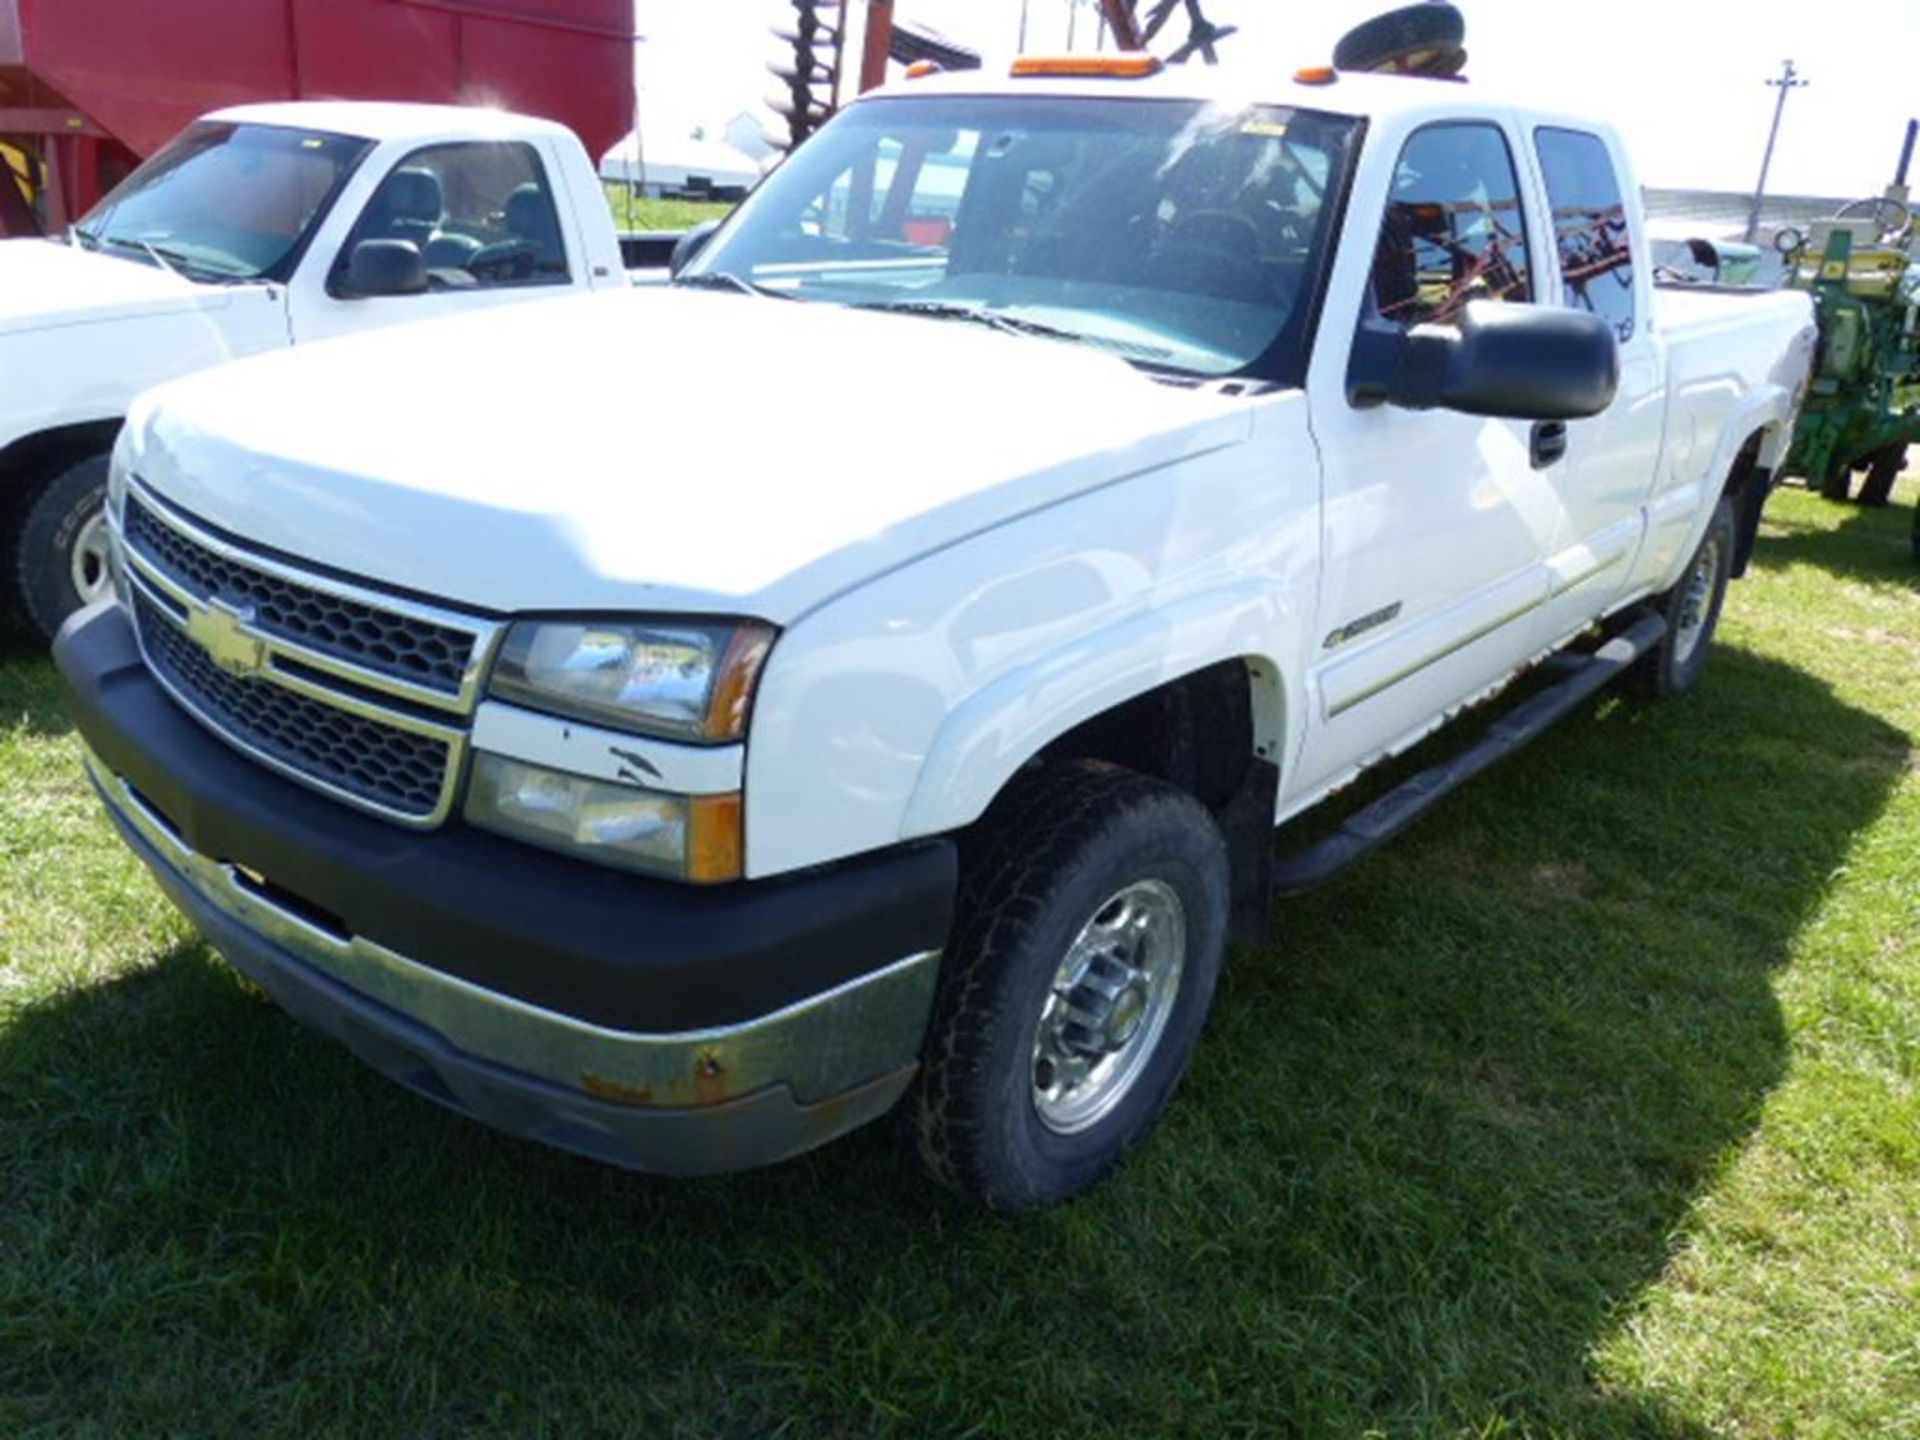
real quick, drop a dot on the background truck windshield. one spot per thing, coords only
(225, 202)
(1181, 236)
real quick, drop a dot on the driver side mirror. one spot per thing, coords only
(379, 268)
(1509, 362)
(690, 245)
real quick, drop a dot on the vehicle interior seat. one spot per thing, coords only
(409, 206)
(533, 246)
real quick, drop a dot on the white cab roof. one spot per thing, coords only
(385, 120)
(1377, 97)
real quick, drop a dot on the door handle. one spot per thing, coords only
(1549, 443)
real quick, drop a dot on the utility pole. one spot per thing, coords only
(1788, 82)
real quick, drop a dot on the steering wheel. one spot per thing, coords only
(1892, 231)
(1213, 243)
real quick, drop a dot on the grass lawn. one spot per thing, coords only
(630, 213)
(1591, 1108)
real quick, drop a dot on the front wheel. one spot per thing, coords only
(1090, 934)
(1692, 611)
(60, 554)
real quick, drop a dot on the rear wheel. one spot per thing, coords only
(1692, 611)
(1882, 474)
(60, 553)
(1090, 936)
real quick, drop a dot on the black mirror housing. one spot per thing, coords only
(379, 268)
(1508, 362)
(690, 245)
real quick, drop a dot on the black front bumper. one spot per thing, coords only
(470, 921)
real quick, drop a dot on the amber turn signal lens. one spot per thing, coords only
(716, 842)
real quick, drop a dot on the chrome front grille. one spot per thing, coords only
(365, 696)
(403, 647)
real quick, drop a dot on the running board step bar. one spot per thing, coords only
(1393, 812)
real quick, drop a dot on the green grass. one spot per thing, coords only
(1588, 1109)
(631, 213)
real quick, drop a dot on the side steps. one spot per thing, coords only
(1393, 812)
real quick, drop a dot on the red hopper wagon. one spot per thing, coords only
(88, 88)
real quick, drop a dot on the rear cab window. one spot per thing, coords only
(1589, 226)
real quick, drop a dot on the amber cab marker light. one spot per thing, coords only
(920, 69)
(1096, 67)
(1316, 75)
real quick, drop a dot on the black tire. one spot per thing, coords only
(1425, 39)
(44, 559)
(1882, 474)
(1040, 867)
(1837, 483)
(1673, 667)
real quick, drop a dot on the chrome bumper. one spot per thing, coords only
(857, 1037)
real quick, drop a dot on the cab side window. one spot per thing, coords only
(1455, 229)
(481, 215)
(1589, 226)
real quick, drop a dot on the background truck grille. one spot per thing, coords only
(388, 767)
(402, 646)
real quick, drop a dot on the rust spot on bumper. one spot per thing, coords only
(601, 1088)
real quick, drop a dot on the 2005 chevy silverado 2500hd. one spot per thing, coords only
(258, 228)
(686, 809)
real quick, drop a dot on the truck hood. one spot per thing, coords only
(45, 284)
(656, 450)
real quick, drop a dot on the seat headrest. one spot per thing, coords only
(529, 213)
(413, 193)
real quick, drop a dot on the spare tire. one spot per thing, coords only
(1425, 39)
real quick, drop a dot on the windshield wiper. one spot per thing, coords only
(174, 262)
(979, 314)
(727, 280)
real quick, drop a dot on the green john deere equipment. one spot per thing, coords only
(1863, 409)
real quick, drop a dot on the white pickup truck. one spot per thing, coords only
(1168, 459)
(258, 228)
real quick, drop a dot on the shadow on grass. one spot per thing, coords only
(1871, 544)
(29, 690)
(1438, 1141)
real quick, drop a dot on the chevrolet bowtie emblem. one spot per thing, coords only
(221, 630)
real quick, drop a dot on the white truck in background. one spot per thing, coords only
(687, 807)
(261, 227)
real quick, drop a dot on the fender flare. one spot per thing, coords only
(1767, 412)
(995, 732)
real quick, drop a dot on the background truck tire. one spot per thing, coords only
(1692, 609)
(1064, 868)
(59, 558)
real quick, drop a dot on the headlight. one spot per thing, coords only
(684, 837)
(677, 681)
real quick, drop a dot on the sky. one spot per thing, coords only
(1683, 80)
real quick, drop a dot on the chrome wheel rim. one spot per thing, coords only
(1108, 1006)
(88, 561)
(1696, 601)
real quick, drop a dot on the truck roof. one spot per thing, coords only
(382, 120)
(1376, 97)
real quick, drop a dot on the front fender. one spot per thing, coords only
(986, 740)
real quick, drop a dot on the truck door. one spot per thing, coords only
(1435, 524)
(1608, 470)
(483, 215)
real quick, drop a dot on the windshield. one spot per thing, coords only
(1181, 236)
(225, 202)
